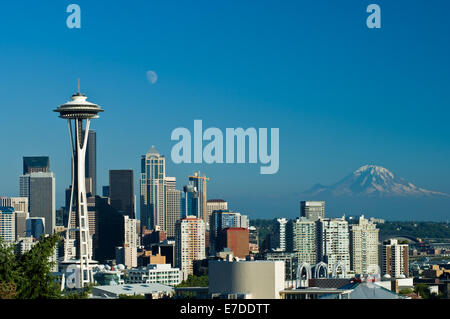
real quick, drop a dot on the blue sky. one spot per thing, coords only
(342, 95)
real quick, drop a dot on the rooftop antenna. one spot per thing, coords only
(78, 85)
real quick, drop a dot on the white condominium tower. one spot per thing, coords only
(304, 240)
(363, 246)
(333, 242)
(189, 243)
(153, 196)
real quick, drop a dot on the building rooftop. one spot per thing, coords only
(132, 289)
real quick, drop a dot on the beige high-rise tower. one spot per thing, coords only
(363, 246)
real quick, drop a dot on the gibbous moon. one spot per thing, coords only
(152, 77)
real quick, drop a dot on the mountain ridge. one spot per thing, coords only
(372, 181)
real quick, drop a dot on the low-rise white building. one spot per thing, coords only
(162, 274)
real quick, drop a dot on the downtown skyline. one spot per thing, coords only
(379, 98)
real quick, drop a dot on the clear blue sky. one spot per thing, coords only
(342, 95)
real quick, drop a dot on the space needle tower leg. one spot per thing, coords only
(78, 113)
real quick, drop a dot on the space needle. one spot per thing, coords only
(78, 112)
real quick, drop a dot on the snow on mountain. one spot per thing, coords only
(372, 180)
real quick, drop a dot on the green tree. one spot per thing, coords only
(195, 281)
(29, 276)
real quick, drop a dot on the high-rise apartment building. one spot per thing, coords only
(363, 246)
(127, 254)
(173, 205)
(312, 209)
(91, 161)
(152, 184)
(394, 258)
(36, 164)
(333, 242)
(121, 191)
(39, 188)
(20, 206)
(199, 182)
(304, 240)
(278, 238)
(189, 243)
(7, 224)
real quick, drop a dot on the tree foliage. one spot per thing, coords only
(29, 276)
(195, 281)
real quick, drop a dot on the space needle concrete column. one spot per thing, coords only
(78, 112)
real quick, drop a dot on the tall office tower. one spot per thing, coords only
(78, 112)
(333, 242)
(105, 191)
(173, 205)
(304, 238)
(212, 205)
(278, 240)
(40, 189)
(36, 164)
(121, 191)
(91, 161)
(222, 219)
(35, 227)
(363, 245)
(190, 204)
(21, 220)
(189, 243)
(312, 209)
(7, 224)
(394, 258)
(110, 230)
(153, 206)
(199, 182)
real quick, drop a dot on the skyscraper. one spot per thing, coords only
(278, 238)
(189, 243)
(7, 224)
(153, 206)
(333, 242)
(190, 205)
(91, 160)
(173, 205)
(199, 182)
(312, 209)
(363, 246)
(39, 188)
(304, 240)
(35, 164)
(394, 258)
(78, 112)
(121, 191)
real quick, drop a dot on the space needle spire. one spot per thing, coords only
(78, 112)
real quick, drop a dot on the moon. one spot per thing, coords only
(152, 76)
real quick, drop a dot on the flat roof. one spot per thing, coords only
(133, 289)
